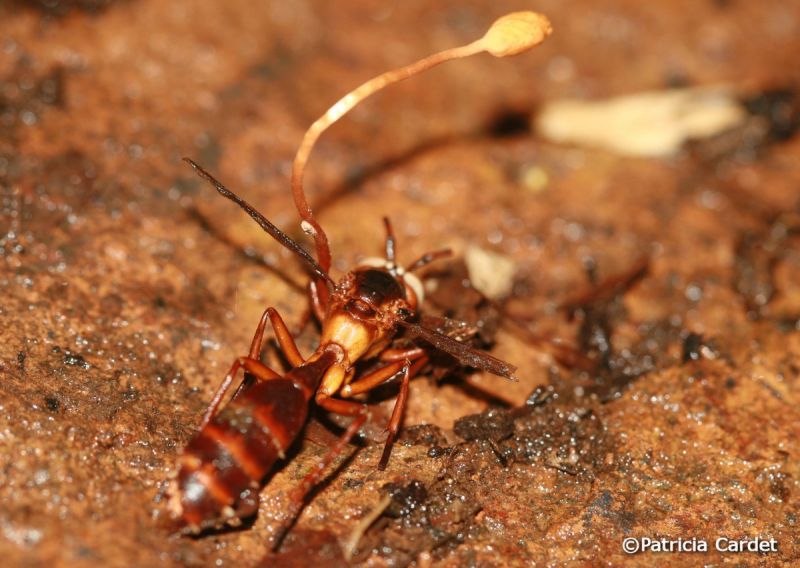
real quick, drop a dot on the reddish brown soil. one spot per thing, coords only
(128, 288)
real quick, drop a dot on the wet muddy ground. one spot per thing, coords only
(653, 314)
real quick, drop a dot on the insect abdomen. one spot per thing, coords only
(222, 467)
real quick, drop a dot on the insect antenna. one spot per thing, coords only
(391, 243)
(509, 35)
(265, 224)
(427, 258)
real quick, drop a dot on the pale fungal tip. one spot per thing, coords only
(516, 32)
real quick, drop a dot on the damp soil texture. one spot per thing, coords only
(653, 311)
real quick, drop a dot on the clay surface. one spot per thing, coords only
(653, 314)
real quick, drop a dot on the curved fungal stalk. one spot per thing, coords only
(238, 442)
(509, 35)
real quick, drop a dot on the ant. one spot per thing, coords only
(221, 469)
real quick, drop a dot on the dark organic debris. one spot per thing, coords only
(696, 347)
(757, 254)
(773, 118)
(599, 308)
(423, 435)
(405, 498)
(691, 347)
(59, 8)
(779, 108)
(495, 424)
(52, 403)
(430, 518)
(75, 360)
(541, 395)
(509, 123)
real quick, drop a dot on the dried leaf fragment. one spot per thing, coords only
(491, 273)
(651, 123)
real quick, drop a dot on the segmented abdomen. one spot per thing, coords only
(221, 469)
(223, 465)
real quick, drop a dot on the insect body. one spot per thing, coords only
(222, 467)
(220, 471)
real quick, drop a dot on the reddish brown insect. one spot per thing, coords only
(222, 467)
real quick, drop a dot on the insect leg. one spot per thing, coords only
(285, 339)
(263, 373)
(318, 295)
(298, 496)
(344, 407)
(373, 379)
(411, 353)
(397, 416)
(285, 342)
(387, 372)
(252, 367)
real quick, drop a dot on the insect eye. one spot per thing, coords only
(360, 309)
